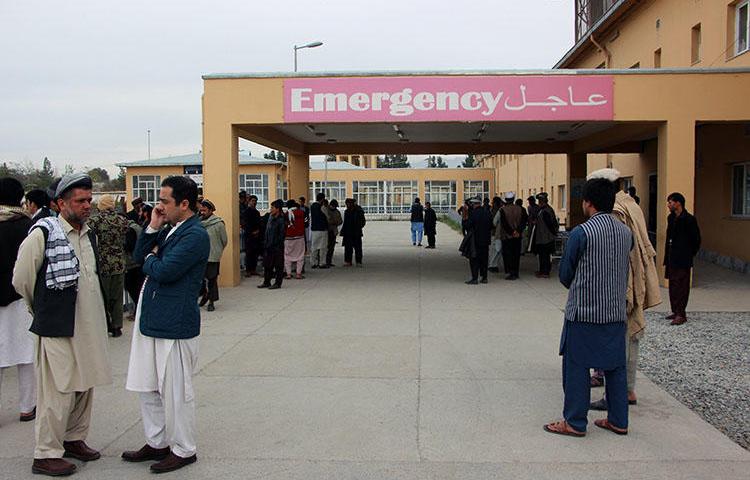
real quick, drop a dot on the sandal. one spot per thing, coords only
(562, 428)
(604, 423)
(299, 277)
(288, 277)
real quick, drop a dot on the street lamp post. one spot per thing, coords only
(308, 45)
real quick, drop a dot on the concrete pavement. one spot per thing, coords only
(394, 371)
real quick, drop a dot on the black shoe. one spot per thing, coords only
(473, 281)
(204, 300)
(511, 276)
(323, 267)
(494, 270)
(483, 280)
(414, 243)
(275, 286)
(330, 265)
(27, 417)
(600, 405)
(211, 307)
(171, 463)
(145, 454)
(116, 332)
(419, 244)
(264, 285)
(314, 266)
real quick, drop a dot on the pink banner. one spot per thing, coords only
(449, 98)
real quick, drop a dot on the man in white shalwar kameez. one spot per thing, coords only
(164, 348)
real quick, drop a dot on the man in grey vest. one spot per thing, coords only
(594, 268)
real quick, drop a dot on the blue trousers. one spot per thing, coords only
(417, 229)
(577, 390)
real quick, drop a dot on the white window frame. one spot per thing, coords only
(400, 195)
(334, 190)
(149, 192)
(745, 191)
(472, 188)
(737, 26)
(441, 188)
(256, 184)
(370, 190)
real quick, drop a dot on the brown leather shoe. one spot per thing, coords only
(54, 467)
(172, 463)
(146, 453)
(80, 451)
(678, 320)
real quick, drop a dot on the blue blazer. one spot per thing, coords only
(169, 306)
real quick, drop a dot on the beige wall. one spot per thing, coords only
(636, 38)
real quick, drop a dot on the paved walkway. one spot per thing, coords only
(394, 371)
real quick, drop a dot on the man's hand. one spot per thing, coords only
(155, 250)
(158, 218)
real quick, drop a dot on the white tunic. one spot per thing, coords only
(16, 341)
(149, 355)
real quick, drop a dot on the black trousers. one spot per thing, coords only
(679, 289)
(353, 245)
(273, 266)
(430, 239)
(545, 257)
(252, 252)
(512, 255)
(134, 282)
(331, 247)
(210, 282)
(479, 263)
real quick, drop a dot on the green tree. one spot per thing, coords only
(436, 162)
(393, 161)
(98, 175)
(118, 184)
(469, 161)
(275, 155)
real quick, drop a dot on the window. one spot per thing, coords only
(256, 184)
(282, 189)
(476, 188)
(441, 194)
(563, 200)
(657, 58)
(370, 196)
(741, 189)
(695, 44)
(401, 194)
(333, 190)
(147, 187)
(742, 27)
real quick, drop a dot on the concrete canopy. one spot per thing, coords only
(574, 112)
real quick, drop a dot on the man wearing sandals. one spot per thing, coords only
(594, 268)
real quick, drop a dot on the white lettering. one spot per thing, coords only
(359, 102)
(466, 101)
(377, 100)
(330, 102)
(491, 101)
(424, 101)
(451, 98)
(401, 103)
(298, 98)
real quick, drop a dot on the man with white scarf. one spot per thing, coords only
(56, 274)
(643, 280)
(164, 348)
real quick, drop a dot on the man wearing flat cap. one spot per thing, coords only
(56, 273)
(512, 221)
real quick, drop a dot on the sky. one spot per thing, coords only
(82, 81)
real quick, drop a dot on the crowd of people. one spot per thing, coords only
(63, 270)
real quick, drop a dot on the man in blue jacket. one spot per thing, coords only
(164, 349)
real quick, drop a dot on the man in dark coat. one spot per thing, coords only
(683, 243)
(135, 214)
(253, 236)
(354, 222)
(478, 224)
(430, 225)
(273, 246)
(545, 233)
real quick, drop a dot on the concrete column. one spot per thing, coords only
(298, 175)
(676, 173)
(221, 186)
(576, 179)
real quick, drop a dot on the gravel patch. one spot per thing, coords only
(705, 364)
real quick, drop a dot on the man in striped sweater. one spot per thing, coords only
(594, 268)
